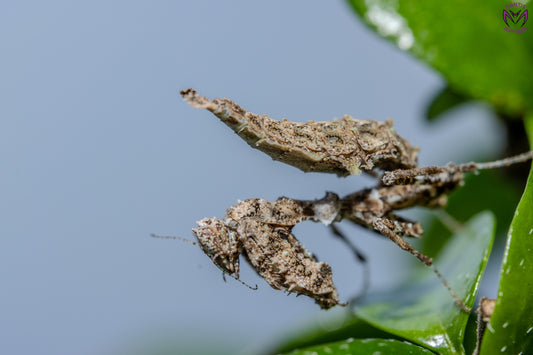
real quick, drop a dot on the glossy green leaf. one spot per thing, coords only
(421, 310)
(470, 339)
(363, 347)
(443, 101)
(511, 326)
(466, 41)
(336, 328)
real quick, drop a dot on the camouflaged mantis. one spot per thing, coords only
(261, 230)
(345, 147)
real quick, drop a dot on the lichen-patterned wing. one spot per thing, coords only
(264, 232)
(285, 264)
(345, 146)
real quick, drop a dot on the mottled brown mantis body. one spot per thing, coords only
(262, 230)
(344, 147)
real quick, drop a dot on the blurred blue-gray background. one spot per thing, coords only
(98, 151)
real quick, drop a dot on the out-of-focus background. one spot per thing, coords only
(98, 151)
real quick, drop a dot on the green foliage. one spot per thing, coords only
(351, 326)
(511, 326)
(463, 40)
(363, 346)
(420, 309)
(466, 42)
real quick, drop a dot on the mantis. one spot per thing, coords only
(261, 230)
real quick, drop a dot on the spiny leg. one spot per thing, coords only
(362, 259)
(424, 175)
(405, 227)
(520, 158)
(432, 174)
(386, 227)
(383, 226)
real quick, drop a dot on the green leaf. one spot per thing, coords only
(421, 310)
(466, 41)
(470, 339)
(336, 328)
(445, 100)
(510, 329)
(363, 346)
